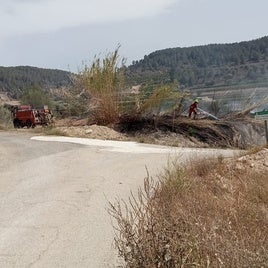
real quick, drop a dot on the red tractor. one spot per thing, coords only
(25, 116)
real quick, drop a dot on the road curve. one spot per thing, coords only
(54, 192)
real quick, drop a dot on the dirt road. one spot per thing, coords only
(54, 196)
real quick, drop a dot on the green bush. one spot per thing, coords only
(35, 97)
(5, 118)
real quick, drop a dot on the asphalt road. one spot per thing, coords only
(54, 196)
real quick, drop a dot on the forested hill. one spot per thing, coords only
(15, 79)
(203, 66)
(193, 67)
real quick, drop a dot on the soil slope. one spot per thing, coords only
(240, 133)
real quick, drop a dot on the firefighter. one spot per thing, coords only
(193, 108)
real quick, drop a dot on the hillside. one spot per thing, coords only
(15, 79)
(214, 65)
(205, 66)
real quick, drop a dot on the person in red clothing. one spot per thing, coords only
(193, 108)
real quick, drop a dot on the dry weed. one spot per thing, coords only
(211, 215)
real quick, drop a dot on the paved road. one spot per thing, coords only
(54, 196)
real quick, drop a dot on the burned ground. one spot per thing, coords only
(221, 133)
(242, 133)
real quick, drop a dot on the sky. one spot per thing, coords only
(66, 34)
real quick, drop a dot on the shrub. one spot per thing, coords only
(104, 81)
(5, 118)
(108, 100)
(36, 97)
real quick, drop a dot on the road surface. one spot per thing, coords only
(54, 193)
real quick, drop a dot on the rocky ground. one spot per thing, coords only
(256, 160)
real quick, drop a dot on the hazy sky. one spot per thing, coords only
(62, 34)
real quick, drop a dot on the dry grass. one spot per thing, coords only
(104, 81)
(211, 215)
(49, 130)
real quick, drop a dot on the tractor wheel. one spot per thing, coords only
(16, 123)
(28, 123)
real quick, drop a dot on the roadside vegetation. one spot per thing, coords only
(208, 213)
(103, 81)
(5, 118)
(101, 90)
(36, 97)
(50, 131)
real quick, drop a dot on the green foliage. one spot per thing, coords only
(35, 97)
(72, 101)
(204, 66)
(153, 99)
(5, 117)
(160, 97)
(16, 79)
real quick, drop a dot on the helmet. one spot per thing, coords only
(196, 100)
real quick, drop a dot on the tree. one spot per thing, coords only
(35, 97)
